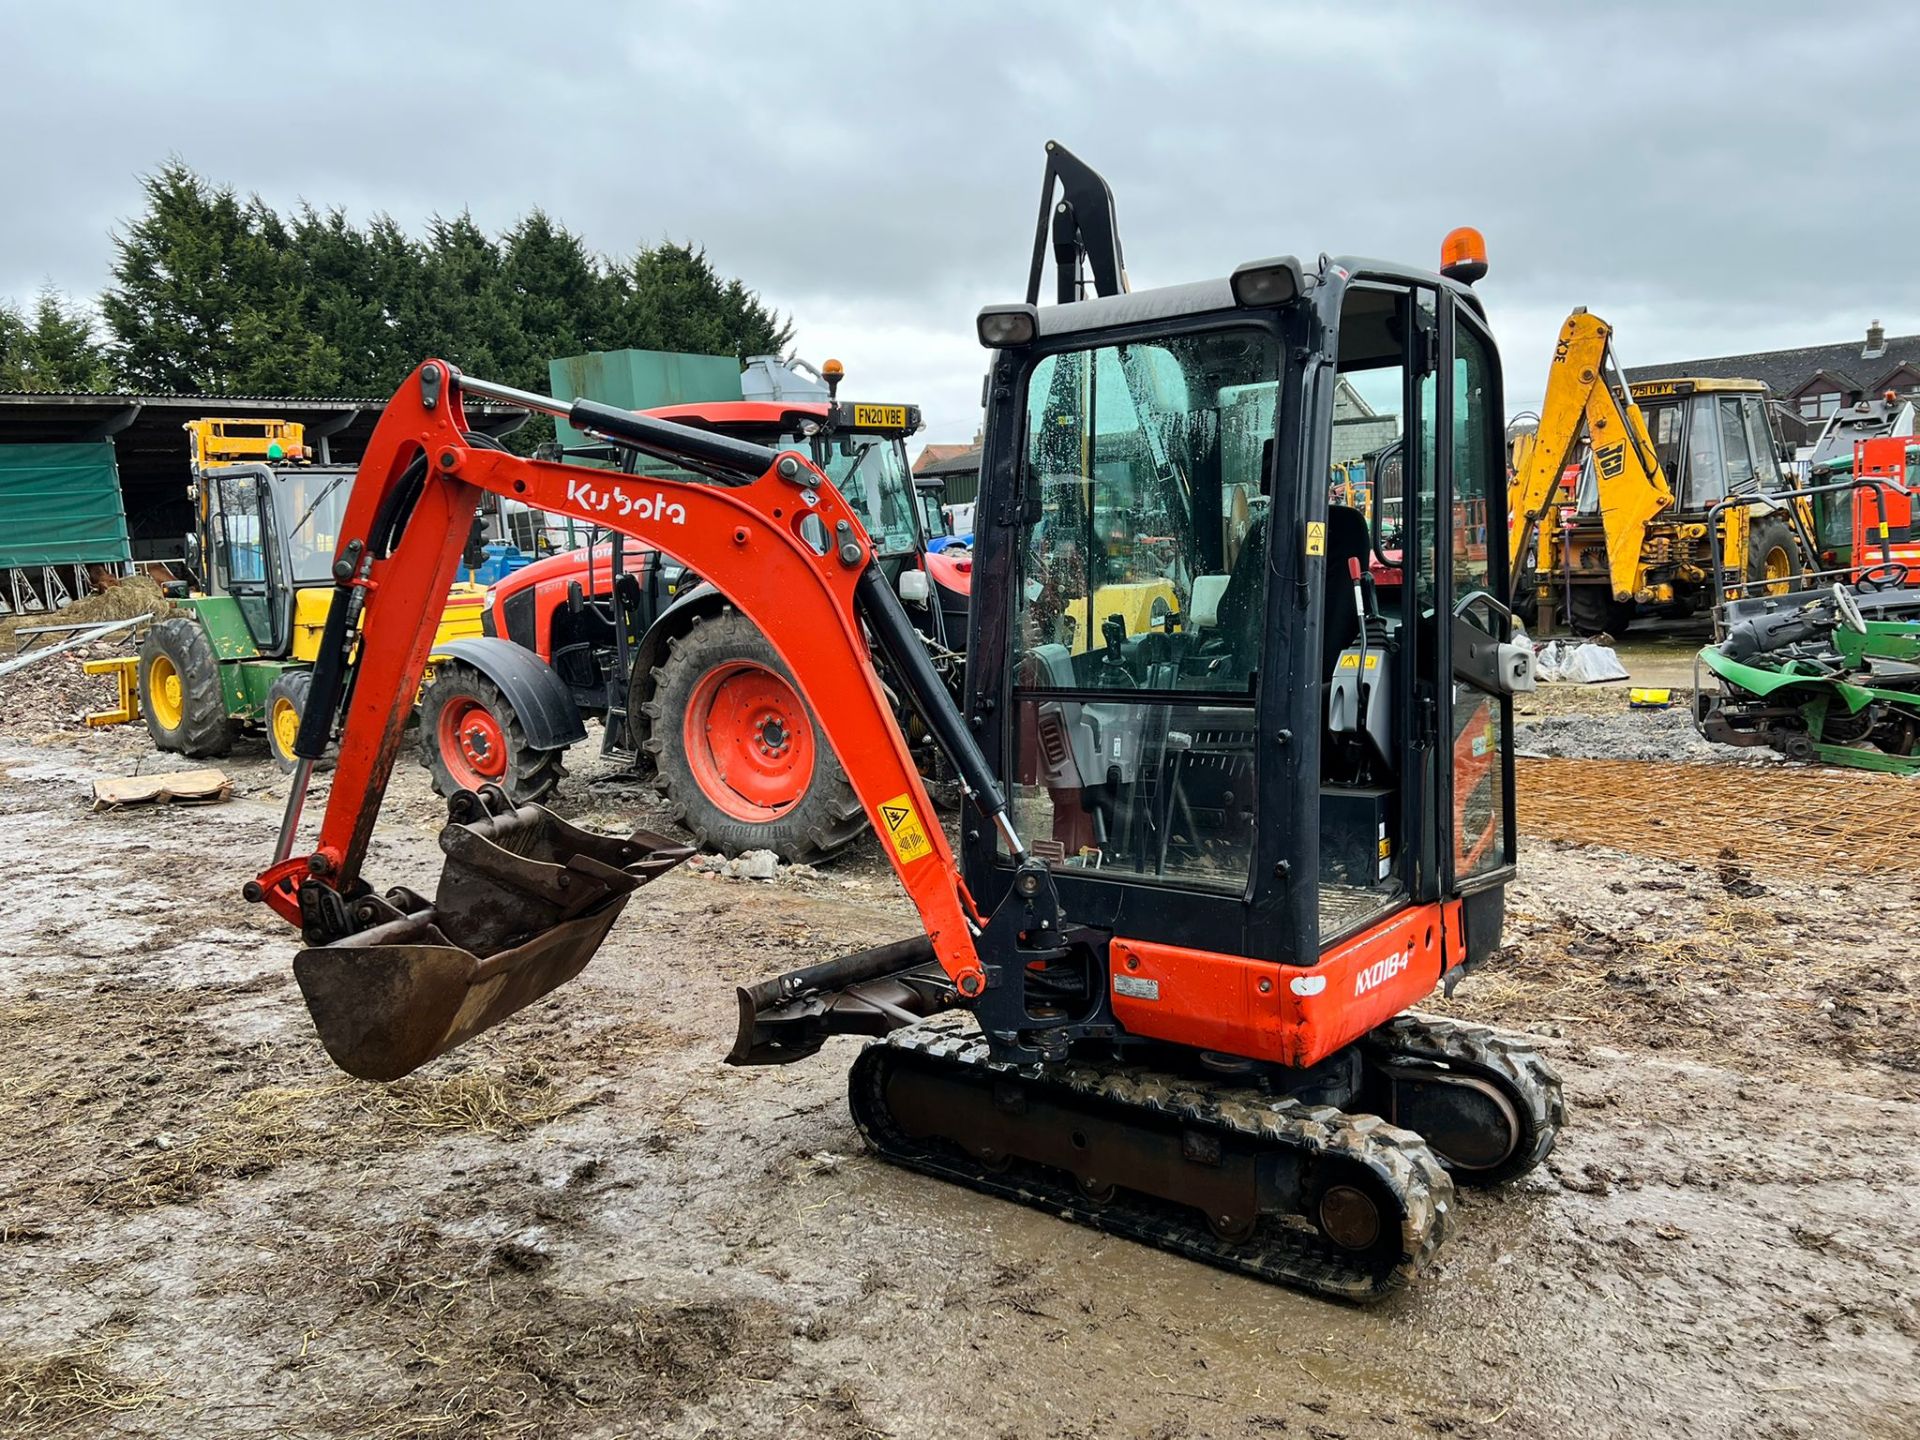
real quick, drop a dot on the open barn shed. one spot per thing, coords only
(148, 440)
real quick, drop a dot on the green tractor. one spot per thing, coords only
(239, 653)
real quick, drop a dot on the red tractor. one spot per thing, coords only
(682, 682)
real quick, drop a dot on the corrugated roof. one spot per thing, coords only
(169, 397)
(150, 441)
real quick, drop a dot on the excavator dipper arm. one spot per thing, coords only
(1585, 391)
(789, 552)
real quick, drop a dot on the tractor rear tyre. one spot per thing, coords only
(739, 755)
(180, 694)
(1596, 612)
(470, 735)
(1773, 560)
(286, 704)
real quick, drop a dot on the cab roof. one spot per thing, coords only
(1169, 302)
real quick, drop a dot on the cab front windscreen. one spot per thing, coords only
(309, 505)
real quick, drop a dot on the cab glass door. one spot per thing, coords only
(1139, 614)
(1480, 815)
(244, 564)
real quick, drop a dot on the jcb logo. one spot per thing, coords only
(1612, 460)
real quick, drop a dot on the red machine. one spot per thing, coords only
(1883, 532)
(623, 633)
(1271, 810)
(792, 552)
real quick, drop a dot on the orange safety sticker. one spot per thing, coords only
(904, 830)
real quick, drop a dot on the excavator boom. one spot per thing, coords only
(1586, 395)
(795, 560)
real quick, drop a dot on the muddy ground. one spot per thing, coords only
(585, 1224)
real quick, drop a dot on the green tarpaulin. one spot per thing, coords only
(60, 505)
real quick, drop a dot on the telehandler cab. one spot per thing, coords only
(1163, 987)
(239, 653)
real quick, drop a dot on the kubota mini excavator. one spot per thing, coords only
(1216, 855)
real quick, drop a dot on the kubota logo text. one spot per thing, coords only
(1381, 971)
(618, 500)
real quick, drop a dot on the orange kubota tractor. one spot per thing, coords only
(1219, 846)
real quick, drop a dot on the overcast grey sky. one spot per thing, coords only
(1710, 177)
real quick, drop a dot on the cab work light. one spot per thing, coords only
(1005, 326)
(1267, 282)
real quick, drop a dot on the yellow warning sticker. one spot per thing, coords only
(904, 831)
(1351, 660)
(1316, 537)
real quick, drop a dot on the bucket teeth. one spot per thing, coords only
(524, 901)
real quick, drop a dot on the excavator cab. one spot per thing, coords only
(1218, 731)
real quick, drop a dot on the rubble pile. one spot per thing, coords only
(56, 693)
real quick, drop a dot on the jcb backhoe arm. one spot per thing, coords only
(525, 899)
(1585, 389)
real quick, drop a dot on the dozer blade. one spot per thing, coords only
(524, 901)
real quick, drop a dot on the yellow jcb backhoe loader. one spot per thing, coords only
(1629, 525)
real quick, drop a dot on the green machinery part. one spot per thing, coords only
(1803, 709)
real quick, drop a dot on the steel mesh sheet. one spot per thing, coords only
(1780, 818)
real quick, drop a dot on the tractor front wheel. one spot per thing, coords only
(738, 753)
(286, 705)
(470, 735)
(180, 693)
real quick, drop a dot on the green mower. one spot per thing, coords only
(1831, 677)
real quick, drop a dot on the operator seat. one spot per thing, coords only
(1240, 617)
(1347, 541)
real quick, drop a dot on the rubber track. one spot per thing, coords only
(1506, 1061)
(1285, 1252)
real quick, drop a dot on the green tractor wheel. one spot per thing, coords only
(286, 704)
(180, 693)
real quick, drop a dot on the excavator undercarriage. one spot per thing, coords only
(1237, 803)
(1309, 1184)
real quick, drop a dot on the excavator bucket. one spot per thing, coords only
(523, 903)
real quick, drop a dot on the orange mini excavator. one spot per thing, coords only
(1236, 805)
